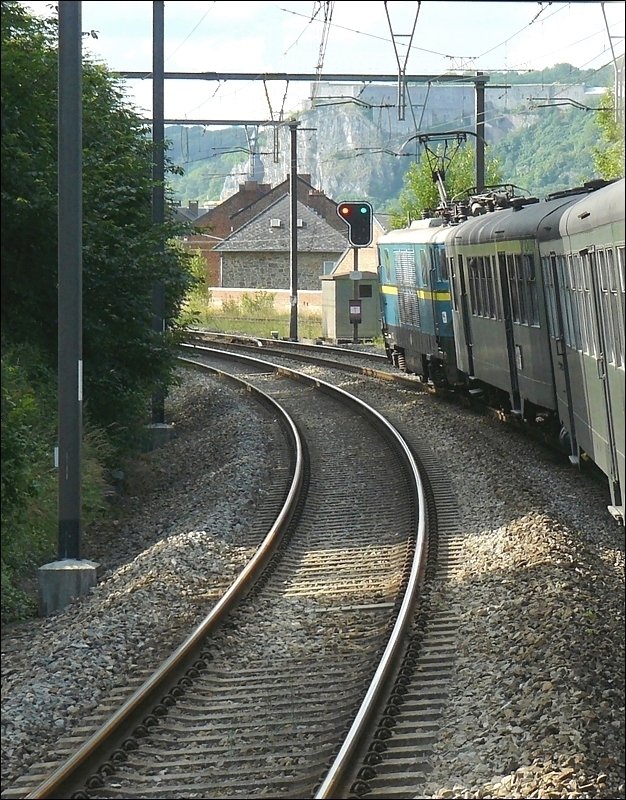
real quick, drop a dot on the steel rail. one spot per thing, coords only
(92, 749)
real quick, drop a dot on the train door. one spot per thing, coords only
(433, 288)
(601, 402)
(556, 328)
(465, 316)
(507, 310)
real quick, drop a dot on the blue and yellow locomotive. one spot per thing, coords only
(415, 301)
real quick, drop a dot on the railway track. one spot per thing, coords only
(376, 365)
(386, 751)
(363, 362)
(288, 696)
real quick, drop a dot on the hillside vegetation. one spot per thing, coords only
(546, 149)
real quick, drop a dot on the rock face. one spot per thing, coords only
(353, 144)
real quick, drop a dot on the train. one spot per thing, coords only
(519, 302)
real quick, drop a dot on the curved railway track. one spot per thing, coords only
(244, 707)
(363, 362)
(376, 365)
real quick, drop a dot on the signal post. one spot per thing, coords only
(359, 218)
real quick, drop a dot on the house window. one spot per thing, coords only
(365, 290)
(275, 223)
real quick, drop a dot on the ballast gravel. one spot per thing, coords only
(536, 707)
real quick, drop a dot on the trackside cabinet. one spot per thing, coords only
(338, 294)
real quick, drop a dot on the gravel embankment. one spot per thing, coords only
(537, 706)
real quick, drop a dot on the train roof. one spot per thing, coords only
(537, 220)
(602, 207)
(422, 231)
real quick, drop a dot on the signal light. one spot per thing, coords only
(359, 218)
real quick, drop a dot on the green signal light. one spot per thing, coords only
(358, 217)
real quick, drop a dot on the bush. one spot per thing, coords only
(29, 480)
(259, 305)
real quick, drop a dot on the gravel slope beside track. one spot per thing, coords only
(536, 704)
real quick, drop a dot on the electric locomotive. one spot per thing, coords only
(415, 301)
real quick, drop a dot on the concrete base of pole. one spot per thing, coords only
(159, 433)
(60, 581)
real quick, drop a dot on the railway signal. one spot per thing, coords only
(358, 216)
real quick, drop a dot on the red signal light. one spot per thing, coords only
(358, 217)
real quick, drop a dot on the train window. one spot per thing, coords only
(576, 298)
(592, 346)
(620, 262)
(513, 287)
(577, 282)
(529, 266)
(548, 285)
(491, 289)
(617, 315)
(601, 261)
(453, 288)
(531, 288)
(521, 289)
(424, 268)
(441, 264)
(611, 270)
(616, 306)
(583, 301)
(566, 303)
(472, 266)
(495, 285)
(482, 280)
(571, 272)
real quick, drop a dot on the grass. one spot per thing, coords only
(254, 315)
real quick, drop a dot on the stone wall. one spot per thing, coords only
(269, 271)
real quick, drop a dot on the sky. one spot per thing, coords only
(372, 37)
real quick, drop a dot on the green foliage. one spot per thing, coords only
(206, 157)
(29, 481)
(125, 255)
(420, 196)
(553, 153)
(609, 159)
(557, 150)
(255, 315)
(559, 73)
(257, 305)
(197, 269)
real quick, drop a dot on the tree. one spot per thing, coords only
(609, 159)
(124, 255)
(125, 361)
(420, 195)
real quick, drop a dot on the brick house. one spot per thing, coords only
(257, 254)
(216, 224)
(252, 198)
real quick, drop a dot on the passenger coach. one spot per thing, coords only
(583, 273)
(499, 316)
